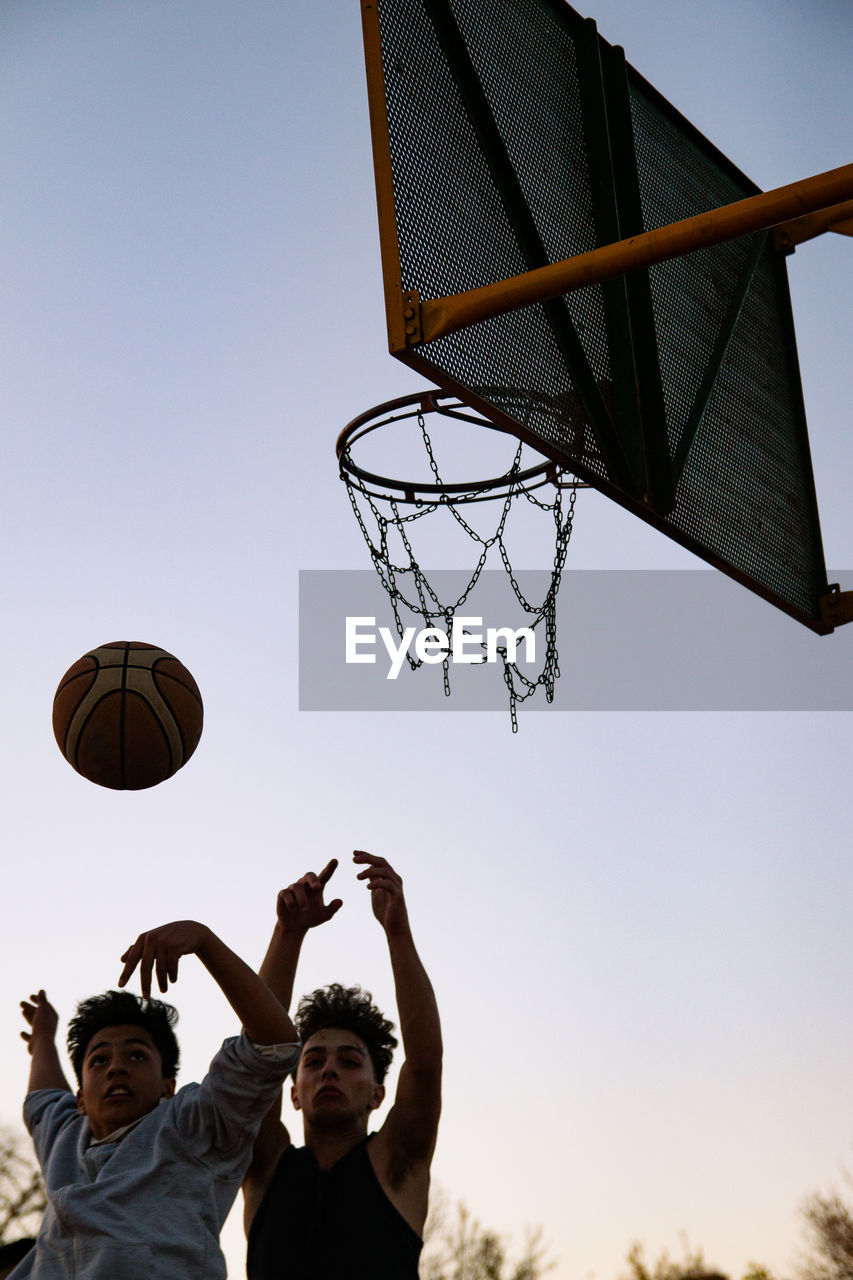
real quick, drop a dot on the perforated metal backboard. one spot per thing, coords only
(511, 135)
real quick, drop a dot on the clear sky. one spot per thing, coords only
(637, 925)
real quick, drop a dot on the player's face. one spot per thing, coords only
(335, 1081)
(122, 1079)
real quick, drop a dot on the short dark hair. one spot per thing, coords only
(12, 1252)
(120, 1009)
(350, 1009)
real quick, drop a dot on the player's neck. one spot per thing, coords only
(328, 1146)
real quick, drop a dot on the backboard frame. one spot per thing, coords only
(640, 466)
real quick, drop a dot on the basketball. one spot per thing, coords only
(127, 715)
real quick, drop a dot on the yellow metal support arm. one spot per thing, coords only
(839, 217)
(441, 316)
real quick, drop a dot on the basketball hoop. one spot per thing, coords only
(386, 510)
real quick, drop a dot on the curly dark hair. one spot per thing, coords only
(348, 1009)
(120, 1009)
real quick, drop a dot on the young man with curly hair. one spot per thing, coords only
(139, 1177)
(348, 1202)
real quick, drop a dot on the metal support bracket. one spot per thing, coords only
(836, 607)
(838, 217)
(412, 317)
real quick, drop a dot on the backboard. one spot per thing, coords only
(513, 136)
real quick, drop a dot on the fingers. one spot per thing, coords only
(379, 873)
(166, 962)
(292, 911)
(38, 1001)
(373, 859)
(299, 891)
(147, 957)
(359, 855)
(162, 959)
(29, 1007)
(311, 883)
(146, 966)
(326, 874)
(131, 959)
(295, 896)
(41, 1018)
(300, 906)
(156, 953)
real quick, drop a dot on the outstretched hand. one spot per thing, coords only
(42, 1018)
(386, 892)
(160, 950)
(300, 906)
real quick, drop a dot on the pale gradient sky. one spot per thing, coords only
(637, 925)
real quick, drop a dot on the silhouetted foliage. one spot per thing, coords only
(21, 1192)
(830, 1226)
(457, 1247)
(691, 1267)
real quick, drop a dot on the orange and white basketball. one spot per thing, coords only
(127, 715)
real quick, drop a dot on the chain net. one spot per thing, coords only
(386, 522)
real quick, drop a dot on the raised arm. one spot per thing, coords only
(408, 1136)
(264, 1020)
(299, 907)
(45, 1069)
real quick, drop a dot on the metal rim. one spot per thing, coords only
(419, 492)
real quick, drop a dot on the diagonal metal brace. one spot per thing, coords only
(532, 250)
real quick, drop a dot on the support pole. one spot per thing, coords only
(441, 316)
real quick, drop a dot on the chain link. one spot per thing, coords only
(421, 599)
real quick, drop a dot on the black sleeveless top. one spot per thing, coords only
(329, 1223)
